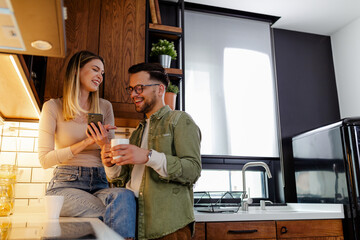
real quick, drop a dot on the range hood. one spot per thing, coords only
(32, 27)
(17, 100)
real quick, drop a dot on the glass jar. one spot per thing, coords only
(8, 171)
(5, 228)
(8, 176)
(4, 190)
(6, 206)
(7, 187)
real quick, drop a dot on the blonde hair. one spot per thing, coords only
(71, 91)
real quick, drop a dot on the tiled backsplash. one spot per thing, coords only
(18, 145)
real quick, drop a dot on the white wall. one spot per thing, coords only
(346, 52)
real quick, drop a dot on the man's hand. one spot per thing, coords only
(106, 156)
(129, 154)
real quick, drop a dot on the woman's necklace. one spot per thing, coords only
(82, 117)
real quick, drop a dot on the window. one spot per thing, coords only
(230, 92)
(228, 180)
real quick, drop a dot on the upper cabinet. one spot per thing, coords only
(165, 20)
(116, 31)
(33, 27)
(122, 44)
(82, 33)
(18, 99)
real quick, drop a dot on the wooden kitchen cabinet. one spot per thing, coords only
(116, 31)
(122, 44)
(241, 230)
(82, 33)
(310, 229)
(294, 230)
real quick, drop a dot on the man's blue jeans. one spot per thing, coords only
(87, 194)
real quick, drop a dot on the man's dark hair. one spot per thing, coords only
(155, 70)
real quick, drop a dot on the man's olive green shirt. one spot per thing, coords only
(165, 204)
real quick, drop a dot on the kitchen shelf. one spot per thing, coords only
(171, 29)
(174, 71)
(165, 28)
(164, 31)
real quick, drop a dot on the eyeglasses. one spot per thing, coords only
(139, 88)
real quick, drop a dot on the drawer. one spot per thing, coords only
(309, 228)
(241, 230)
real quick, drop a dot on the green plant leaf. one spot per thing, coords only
(163, 47)
(172, 88)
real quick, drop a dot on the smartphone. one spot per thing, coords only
(95, 118)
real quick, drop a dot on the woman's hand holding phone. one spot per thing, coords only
(99, 134)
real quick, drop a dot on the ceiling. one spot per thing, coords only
(323, 17)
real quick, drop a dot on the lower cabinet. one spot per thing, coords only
(310, 229)
(241, 230)
(295, 230)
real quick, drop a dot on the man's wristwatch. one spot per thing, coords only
(149, 155)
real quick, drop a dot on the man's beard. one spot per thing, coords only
(147, 105)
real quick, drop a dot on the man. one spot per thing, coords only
(162, 161)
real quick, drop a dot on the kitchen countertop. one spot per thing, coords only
(29, 225)
(37, 226)
(293, 211)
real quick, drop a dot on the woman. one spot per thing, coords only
(65, 142)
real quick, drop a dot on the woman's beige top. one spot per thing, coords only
(57, 135)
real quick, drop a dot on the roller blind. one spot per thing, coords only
(229, 85)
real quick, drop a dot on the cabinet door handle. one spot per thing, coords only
(241, 231)
(283, 230)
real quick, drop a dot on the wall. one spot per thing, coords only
(306, 90)
(18, 145)
(346, 51)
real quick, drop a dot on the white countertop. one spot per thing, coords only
(29, 225)
(293, 211)
(37, 226)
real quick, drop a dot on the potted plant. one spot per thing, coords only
(170, 95)
(165, 50)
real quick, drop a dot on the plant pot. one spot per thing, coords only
(170, 99)
(165, 60)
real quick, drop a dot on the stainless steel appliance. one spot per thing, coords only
(326, 163)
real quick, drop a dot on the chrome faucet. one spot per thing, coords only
(253, 164)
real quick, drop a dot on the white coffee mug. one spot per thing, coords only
(52, 228)
(117, 141)
(53, 205)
